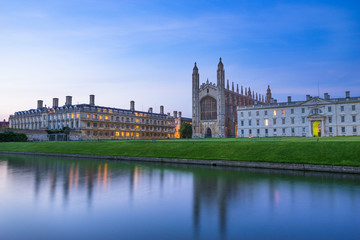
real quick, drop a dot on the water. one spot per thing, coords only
(55, 198)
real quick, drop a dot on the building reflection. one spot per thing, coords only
(218, 191)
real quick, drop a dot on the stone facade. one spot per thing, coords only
(214, 105)
(313, 117)
(93, 122)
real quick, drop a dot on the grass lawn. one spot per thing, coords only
(327, 150)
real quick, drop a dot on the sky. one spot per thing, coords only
(144, 50)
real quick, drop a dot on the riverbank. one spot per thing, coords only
(343, 151)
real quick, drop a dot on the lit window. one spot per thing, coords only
(122, 134)
(110, 111)
(266, 122)
(104, 110)
(77, 115)
(72, 115)
(88, 116)
(283, 112)
(137, 134)
(137, 120)
(168, 123)
(100, 117)
(127, 134)
(117, 134)
(274, 112)
(137, 127)
(106, 117)
(94, 116)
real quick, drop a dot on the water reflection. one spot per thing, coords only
(151, 199)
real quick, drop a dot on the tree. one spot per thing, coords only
(185, 130)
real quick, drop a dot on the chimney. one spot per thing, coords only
(68, 101)
(92, 100)
(326, 96)
(308, 97)
(161, 109)
(55, 102)
(180, 114)
(168, 115)
(275, 100)
(289, 99)
(132, 106)
(347, 93)
(40, 104)
(150, 110)
(175, 114)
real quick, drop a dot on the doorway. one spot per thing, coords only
(208, 133)
(316, 129)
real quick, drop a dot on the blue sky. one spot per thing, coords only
(145, 50)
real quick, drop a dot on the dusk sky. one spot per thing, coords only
(145, 50)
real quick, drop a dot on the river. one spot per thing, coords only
(62, 198)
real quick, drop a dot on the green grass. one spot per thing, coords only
(333, 151)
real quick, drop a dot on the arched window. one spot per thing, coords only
(208, 108)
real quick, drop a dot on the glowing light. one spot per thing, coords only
(137, 120)
(117, 134)
(274, 112)
(88, 116)
(127, 134)
(137, 134)
(100, 117)
(77, 115)
(106, 117)
(72, 115)
(266, 122)
(283, 112)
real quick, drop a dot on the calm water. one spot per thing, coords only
(54, 198)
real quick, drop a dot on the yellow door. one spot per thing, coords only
(316, 129)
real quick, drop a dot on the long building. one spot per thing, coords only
(92, 122)
(214, 105)
(313, 117)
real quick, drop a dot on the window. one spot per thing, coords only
(343, 129)
(342, 118)
(266, 122)
(258, 131)
(330, 129)
(266, 131)
(249, 114)
(353, 107)
(249, 122)
(257, 113)
(208, 108)
(242, 123)
(265, 112)
(292, 130)
(354, 129)
(303, 110)
(242, 114)
(283, 130)
(292, 111)
(242, 131)
(88, 124)
(342, 108)
(283, 120)
(88, 116)
(330, 119)
(283, 112)
(292, 120)
(100, 117)
(303, 119)
(329, 109)
(257, 122)
(249, 131)
(106, 117)
(94, 124)
(303, 129)
(274, 130)
(354, 118)
(274, 121)
(274, 112)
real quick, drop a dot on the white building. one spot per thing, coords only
(314, 117)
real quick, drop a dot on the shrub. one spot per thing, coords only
(13, 137)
